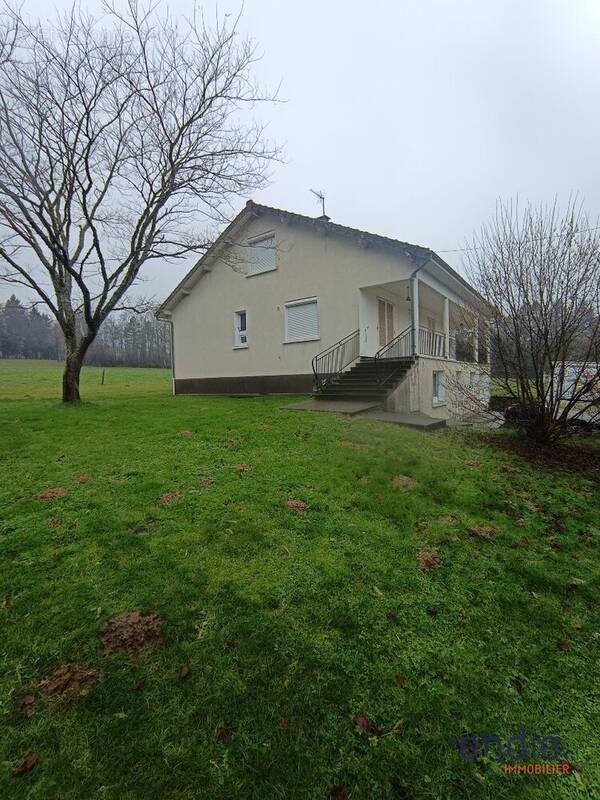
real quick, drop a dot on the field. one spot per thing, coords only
(307, 646)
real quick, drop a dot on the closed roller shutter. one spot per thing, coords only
(261, 256)
(301, 321)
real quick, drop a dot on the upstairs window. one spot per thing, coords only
(240, 331)
(262, 254)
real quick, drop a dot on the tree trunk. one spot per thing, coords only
(72, 371)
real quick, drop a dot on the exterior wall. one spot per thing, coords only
(415, 393)
(369, 315)
(309, 264)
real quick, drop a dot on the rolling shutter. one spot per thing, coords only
(301, 321)
(261, 255)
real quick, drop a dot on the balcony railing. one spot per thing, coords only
(431, 343)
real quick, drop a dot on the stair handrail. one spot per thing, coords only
(329, 363)
(394, 349)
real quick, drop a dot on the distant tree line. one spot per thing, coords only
(127, 339)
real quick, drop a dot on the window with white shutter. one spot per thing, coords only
(302, 321)
(261, 254)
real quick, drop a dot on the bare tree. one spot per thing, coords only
(122, 140)
(539, 270)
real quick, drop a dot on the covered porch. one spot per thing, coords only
(414, 318)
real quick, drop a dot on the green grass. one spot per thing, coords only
(325, 607)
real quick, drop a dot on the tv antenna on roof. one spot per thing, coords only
(320, 196)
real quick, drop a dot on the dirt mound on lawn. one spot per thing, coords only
(70, 679)
(131, 632)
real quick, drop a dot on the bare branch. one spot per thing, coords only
(122, 140)
(539, 269)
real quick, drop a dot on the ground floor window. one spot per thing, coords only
(301, 320)
(240, 330)
(439, 386)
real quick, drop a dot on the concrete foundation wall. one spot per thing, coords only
(415, 393)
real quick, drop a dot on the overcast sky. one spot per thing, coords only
(415, 116)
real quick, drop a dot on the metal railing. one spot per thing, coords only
(401, 346)
(329, 363)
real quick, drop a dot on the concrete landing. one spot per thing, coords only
(350, 407)
(490, 420)
(415, 420)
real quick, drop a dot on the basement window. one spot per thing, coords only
(439, 387)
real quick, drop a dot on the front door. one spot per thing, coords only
(385, 312)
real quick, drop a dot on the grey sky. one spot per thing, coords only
(413, 117)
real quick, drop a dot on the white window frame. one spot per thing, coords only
(439, 399)
(303, 302)
(254, 240)
(239, 334)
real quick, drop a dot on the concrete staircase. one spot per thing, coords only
(365, 381)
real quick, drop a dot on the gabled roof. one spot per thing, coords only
(418, 255)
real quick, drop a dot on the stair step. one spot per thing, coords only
(358, 381)
(367, 380)
(350, 385)
(380, 367)
(373, 376)
(372, 373)
(340, 387)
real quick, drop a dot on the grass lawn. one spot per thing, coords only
(318, 659)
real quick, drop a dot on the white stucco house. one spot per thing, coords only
(285, 303)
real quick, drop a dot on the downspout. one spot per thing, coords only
(172, 357)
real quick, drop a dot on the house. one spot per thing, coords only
(285, 303)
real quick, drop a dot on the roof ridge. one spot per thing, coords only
(349, 228)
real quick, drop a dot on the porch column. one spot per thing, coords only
(476, 341)
(414, 313)
(446, 327)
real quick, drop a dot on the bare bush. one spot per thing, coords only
(539, 270)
